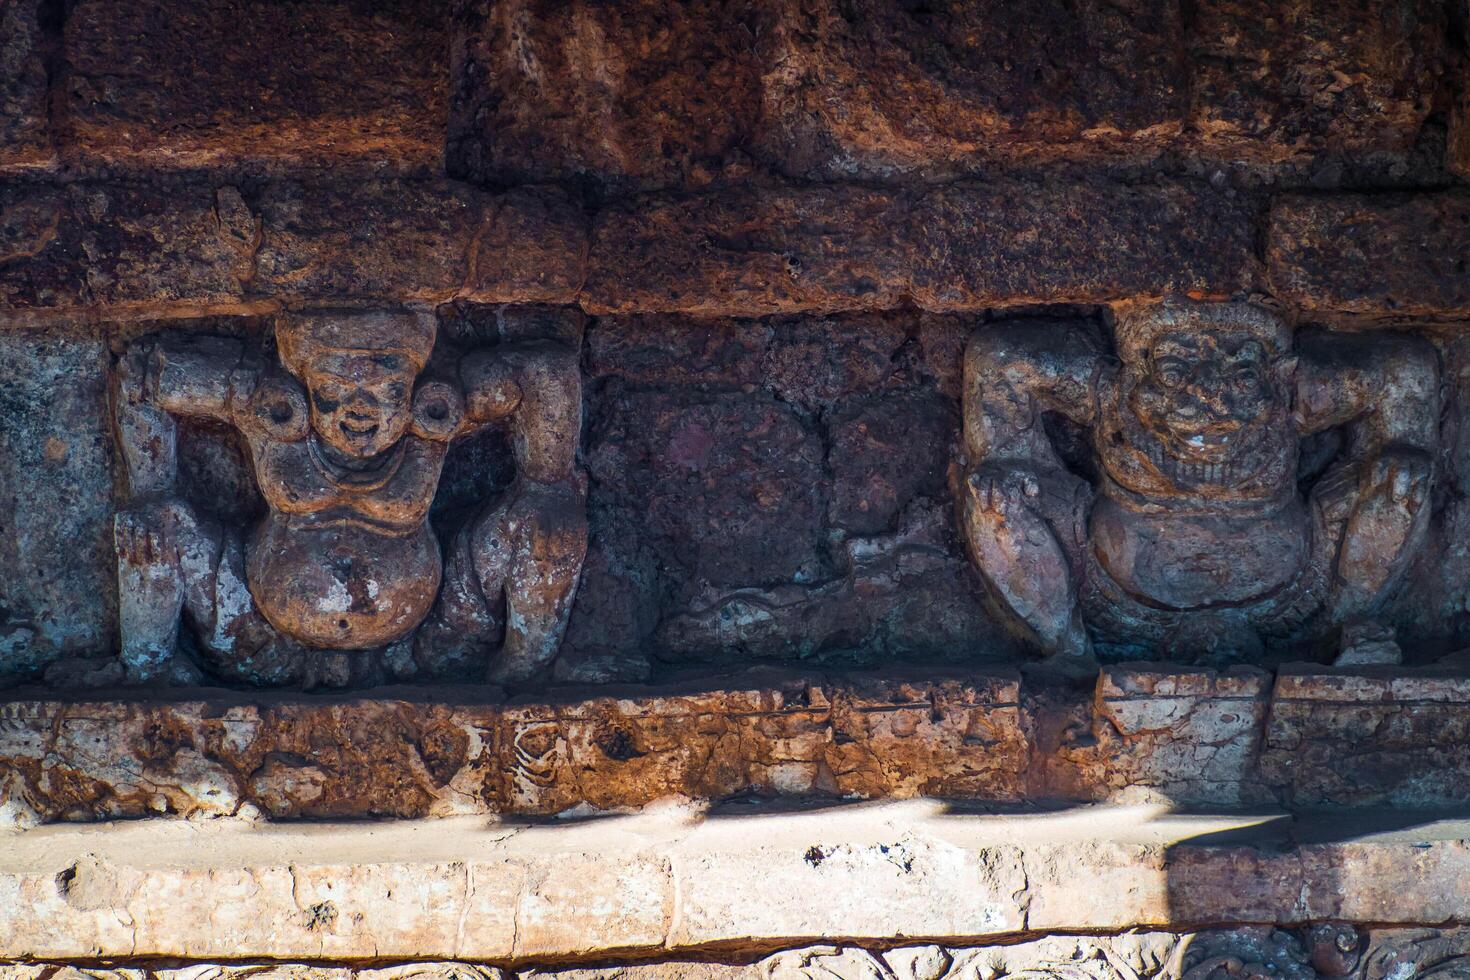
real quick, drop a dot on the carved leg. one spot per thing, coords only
(1018, 554)
(466, 621)
(165, 555)
(1387, 517)
(533, 549)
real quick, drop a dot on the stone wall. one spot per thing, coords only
(577, 405)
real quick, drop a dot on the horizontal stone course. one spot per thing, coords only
(744, 250)
(756, 250)
(1144, 733)
(638, 96)
(674, 880)
(187, 84)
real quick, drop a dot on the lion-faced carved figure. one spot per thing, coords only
(1195, 539)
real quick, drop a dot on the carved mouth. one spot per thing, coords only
(358, 430)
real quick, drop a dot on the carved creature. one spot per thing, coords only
(343, 577)
(1194, 539)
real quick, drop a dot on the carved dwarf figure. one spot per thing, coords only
(1196, 540)
(348, 438)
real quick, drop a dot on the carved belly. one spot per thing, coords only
(343, 586)
(1195, 562)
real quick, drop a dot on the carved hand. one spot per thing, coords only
(1000, 486)
(1400, 474)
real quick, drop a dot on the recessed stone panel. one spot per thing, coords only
(55, 501)
(874, 89)
(632, 94)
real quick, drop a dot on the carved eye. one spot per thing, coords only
(1170, 374)
(1246, 378)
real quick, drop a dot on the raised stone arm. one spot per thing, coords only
(1014, 373)
(161, 378)
(1015, 485)
(1384, 391)
(538, 385)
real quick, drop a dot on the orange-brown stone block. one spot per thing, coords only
(1274, 81)
(429, 241)
(256, 85)
(120, 246)
(1374, 737)
(877, 88)
(635, 93)
(1388, 254)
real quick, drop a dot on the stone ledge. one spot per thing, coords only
(1143, 733)
(737, 877)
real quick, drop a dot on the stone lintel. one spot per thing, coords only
(673, 880)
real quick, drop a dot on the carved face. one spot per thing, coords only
(361, 400)
(1203, 395)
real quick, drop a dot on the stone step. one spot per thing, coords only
(676, 879)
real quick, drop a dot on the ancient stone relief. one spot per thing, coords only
(1320, 952)
(343, 580)
(1237, 485)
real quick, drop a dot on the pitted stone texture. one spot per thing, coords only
(1386, 255)
(637, 93)
(1369, 737)
(758, 250)
(257, 86)
(25, 131)
(875, 89)
(1458, 151)
(432, 241)
(1273, 81)
(864, 737)
(57, 592)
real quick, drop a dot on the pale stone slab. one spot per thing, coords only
(673, 880)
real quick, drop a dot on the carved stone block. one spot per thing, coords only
(1378, 255)
(1194, 540)
(343, 580)
(25, 131)
(1274, 82)
(1370, 737)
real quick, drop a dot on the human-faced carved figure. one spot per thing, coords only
(1195, 539)
(343, 578)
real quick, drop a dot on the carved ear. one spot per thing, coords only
(278, 405)
(438, 409)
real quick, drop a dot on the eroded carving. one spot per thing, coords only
(343, 580)
(1193, 539)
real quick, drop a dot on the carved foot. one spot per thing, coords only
(1368, 644)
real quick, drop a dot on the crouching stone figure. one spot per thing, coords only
(1193, 539)
(343, 580)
